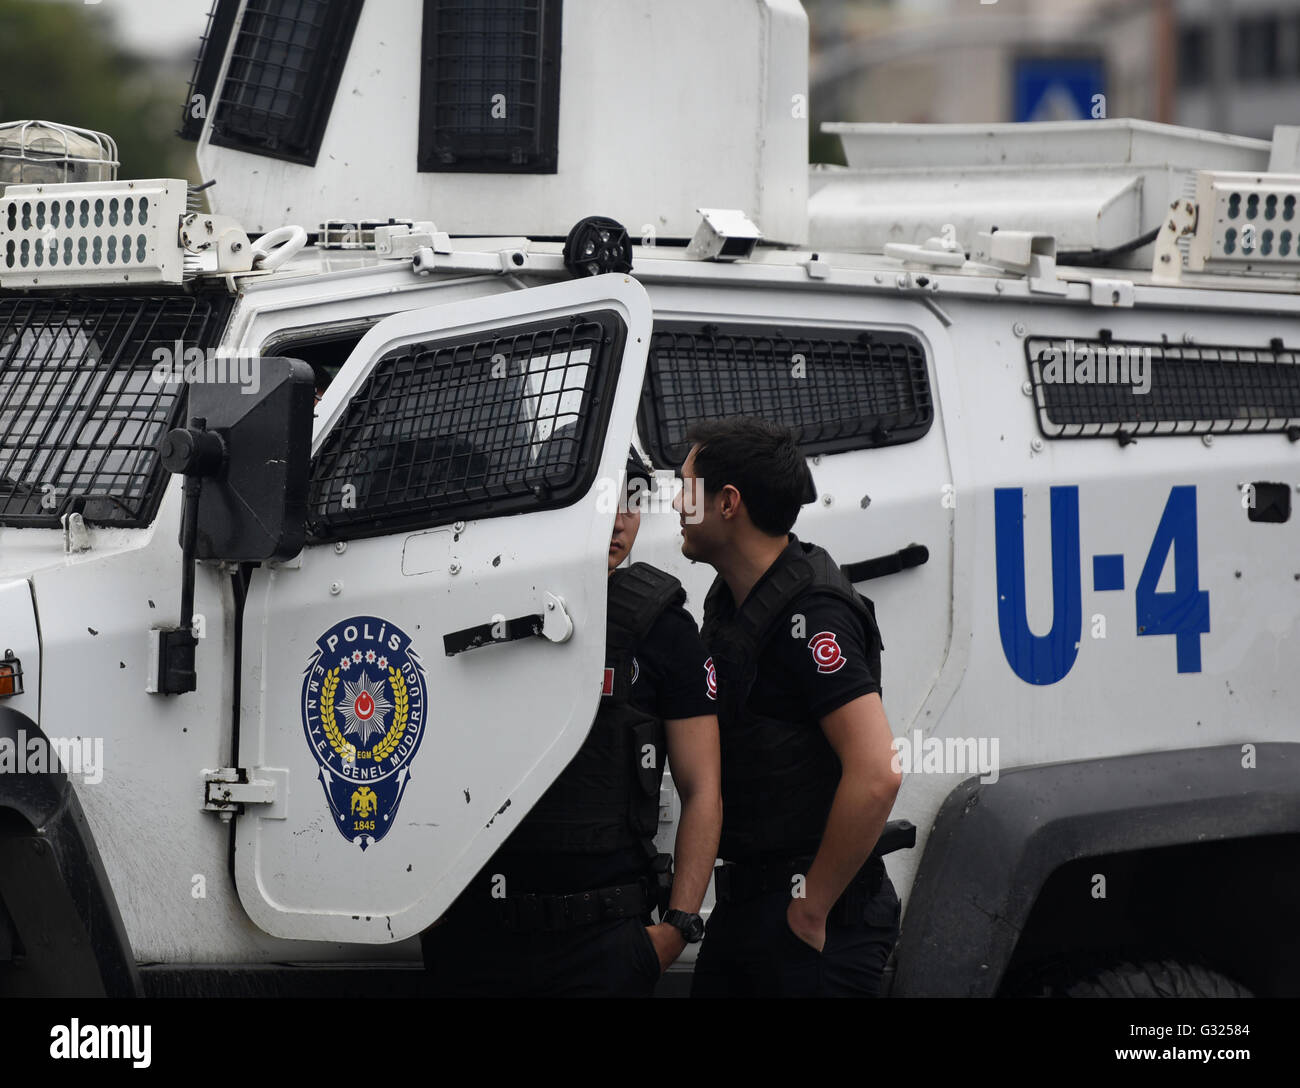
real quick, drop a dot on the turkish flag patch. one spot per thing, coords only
(826, 652)
(607, 685)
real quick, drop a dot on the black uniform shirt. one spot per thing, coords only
(822, 656)
(670, 680)
(807, 675)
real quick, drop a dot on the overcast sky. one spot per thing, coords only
(156, 26)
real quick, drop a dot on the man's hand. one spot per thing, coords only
(668, 942)
(806, 923)
(860, 734)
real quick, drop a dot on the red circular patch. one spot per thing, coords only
(364, 706)
(826, 652)
(711, 679)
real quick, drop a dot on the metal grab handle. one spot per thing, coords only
(553, 624)
(911, 556)
(275, 247)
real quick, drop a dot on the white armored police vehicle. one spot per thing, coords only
(277, 681)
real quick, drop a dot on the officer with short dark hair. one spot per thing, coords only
(808, 776)
(563, 908)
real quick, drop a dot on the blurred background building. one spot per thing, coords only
(1228, 65)
(122, 66)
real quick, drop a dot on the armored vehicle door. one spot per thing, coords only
(419, 674)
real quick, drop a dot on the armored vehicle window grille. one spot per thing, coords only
(83, 403)
(840, 389)
(469, 427)
(490, 86)
(1087, 388)
(212, 50)
(283, 73)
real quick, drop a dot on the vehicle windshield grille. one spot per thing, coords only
(81, 412)
(490, 86)
(1093, 388)
(284, 70)
(469, 427)
(839, 389)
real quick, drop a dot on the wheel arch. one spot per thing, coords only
(54, 892)
(993, 847)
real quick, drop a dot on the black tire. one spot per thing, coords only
(1158, 978)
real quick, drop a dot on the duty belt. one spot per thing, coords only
(737, 882)
(553, 913)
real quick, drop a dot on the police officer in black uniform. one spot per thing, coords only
(808, 778)
(563, 908)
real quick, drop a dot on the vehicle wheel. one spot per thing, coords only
(1159, 978)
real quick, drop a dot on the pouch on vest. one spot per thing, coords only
(649, 775)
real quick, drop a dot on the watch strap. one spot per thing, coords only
(691, 926)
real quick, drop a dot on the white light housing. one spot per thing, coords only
(724, 234)
(1246, 223)
(96, 232)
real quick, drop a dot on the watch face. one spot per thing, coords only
(691, 926)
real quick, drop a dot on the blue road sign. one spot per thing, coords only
(1057, 88)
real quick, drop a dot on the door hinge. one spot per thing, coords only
(227, 790)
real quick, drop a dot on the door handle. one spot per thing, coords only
(911, 556)
(553, 623)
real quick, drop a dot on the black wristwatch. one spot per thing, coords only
(691, 926)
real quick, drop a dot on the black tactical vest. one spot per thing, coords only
(778, 777)
(607, 798)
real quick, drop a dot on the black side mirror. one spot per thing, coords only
(246, 458)
(252, 452)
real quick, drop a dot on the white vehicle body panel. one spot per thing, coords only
(944, 668)
(501, 721)
(614, 64)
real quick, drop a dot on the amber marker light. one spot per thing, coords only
(11, 675)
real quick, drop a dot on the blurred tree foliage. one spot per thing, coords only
(823, 146)
(61, 62)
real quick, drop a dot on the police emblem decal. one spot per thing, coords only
(363, 699)
(826, 652)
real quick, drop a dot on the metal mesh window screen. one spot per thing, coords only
(469, 428)
(283, 73)
(1097, 388)
(203, 81)
(490, 88)
(839, 389)
(81, 413)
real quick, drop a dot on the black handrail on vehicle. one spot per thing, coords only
(903, 559)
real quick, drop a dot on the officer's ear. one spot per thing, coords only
(809, 486)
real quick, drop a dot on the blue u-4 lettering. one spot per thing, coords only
(1039, 659)
(1183, 612)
